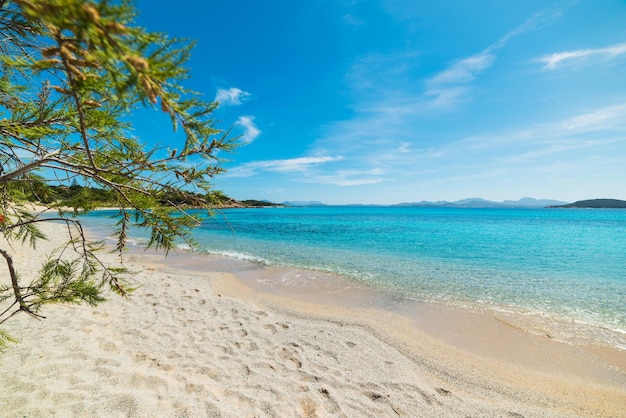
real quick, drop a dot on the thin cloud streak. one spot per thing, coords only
(599, 119)
(382, 79)
(448, 87)
(556, 60)
(384, 127)
(376, 160)
(596, 133)
(344, 181)
(288, 165)
(310, 170)
(556, 148)
(465, 70)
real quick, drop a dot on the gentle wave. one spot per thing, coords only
(239, 256)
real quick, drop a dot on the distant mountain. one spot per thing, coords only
(533, 203)
(304, 203)
(596, 204)
(475, 202)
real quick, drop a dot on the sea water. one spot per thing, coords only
(565, 266)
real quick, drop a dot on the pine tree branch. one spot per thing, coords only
(16, 287)
(29, 167)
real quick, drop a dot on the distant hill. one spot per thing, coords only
(304, 203)
(533, 203)
(596, 204)
(475, 202)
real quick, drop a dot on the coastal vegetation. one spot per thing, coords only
(71, 74)
(38, 192)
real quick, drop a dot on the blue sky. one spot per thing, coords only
(388, 101)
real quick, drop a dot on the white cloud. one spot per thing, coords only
(450, 85)
(554, 147)
(553, 61)
(596, 128)
(347, 178)
(231, 96)
(383, 81)
(465, 70)
(602, 118)
(386, 138)
(376, 74)
(301, 164)
(309, 170)
(297, 164)
(250, 131)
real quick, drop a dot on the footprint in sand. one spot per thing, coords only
(286, 353)
(309, 407)
(443, 392)
(275, 328)
(270, 327)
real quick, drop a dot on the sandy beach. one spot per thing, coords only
(198, 341)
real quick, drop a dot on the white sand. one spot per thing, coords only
(192, 344)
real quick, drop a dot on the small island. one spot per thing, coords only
(595, 204)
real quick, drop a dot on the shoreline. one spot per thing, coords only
(326, 287)
(207, 343)
(581, 326)
(480, 333)
(429, 333)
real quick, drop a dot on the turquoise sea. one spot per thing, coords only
(560, 268)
